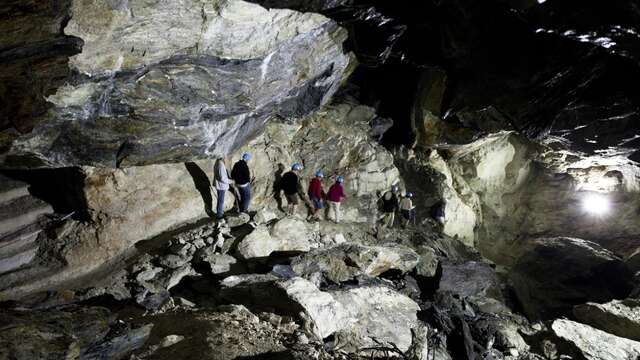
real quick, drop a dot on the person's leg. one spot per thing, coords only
(337, 213)
(245, 194)
(220, 204)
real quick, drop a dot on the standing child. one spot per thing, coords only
(407, 209)
(316, 194)
(335, 197)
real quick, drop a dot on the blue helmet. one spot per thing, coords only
(394, 188)
(319, 174)
(246, 156)
(296, 167)
(409, 195)
(340, 179)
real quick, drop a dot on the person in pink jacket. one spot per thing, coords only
(335, 197)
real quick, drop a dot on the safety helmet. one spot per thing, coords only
(246, 156)
(296, 167)
(409, 195)
(394, 188)
(319, 174)
(340, 179)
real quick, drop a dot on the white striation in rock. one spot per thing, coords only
(180, 80)
(595, 344)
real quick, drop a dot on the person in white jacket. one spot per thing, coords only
(221, 182)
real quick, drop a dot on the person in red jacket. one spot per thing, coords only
(316, 194)
(335, 197)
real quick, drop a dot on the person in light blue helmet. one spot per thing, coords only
(317, 195)
(335, 196)
(241, 175)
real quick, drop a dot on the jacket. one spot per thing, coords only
(221, 178)
(240, 173)
(290, 183)
(336, 193)
(315, 189)
(389, 205)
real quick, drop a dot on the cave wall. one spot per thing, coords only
(177, 81)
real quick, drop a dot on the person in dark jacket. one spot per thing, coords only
(242, 178)
(290, 185)
(316, 194)
(335, 197)
(389, 207)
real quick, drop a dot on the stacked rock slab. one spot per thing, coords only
(19, 224)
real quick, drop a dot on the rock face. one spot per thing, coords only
(558, 273)
(594, 344)
(174, 82)
(344, 262)
(618, 317)
(334, 140)
(123, 209)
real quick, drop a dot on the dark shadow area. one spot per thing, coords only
(203, 185)
(282, 355)
(276, 185)
(62, 188)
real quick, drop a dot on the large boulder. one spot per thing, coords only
(345, 262)
(558, 273)
(287, 235)
(379, 313)
(470, 279)
(175, 81)
(320, 312)
(594, 344)
(618, 317)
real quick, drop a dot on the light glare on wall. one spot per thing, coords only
(596, 204)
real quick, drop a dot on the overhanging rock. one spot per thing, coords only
(176, 81)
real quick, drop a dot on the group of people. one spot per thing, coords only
(292, 188)
(390, 203)
(240, 183)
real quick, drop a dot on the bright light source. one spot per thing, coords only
(596, 204)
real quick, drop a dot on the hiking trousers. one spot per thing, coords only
(334, 207)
